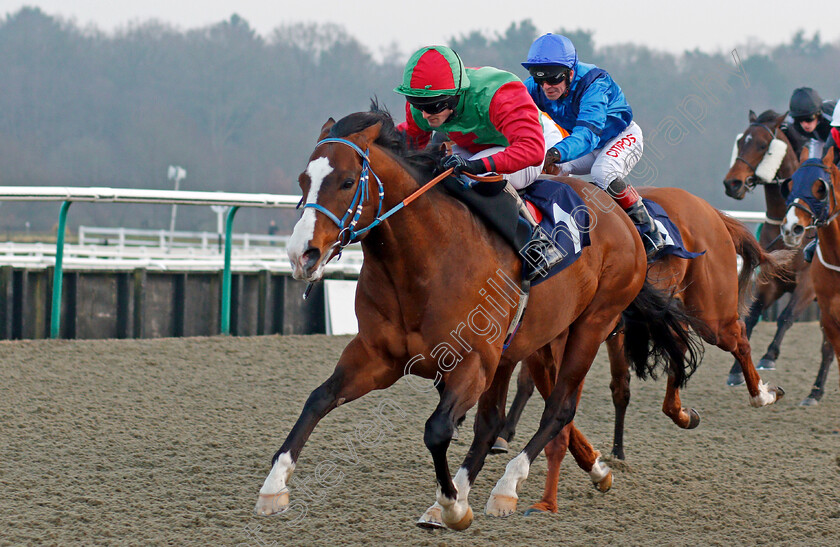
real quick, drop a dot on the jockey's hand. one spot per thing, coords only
(460, 165)
(552, 156)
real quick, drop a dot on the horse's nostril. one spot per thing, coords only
(309, 258)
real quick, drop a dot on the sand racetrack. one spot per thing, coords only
(153, 442)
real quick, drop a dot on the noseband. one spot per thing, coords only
(753, 180)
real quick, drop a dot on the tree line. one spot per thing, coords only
(241, 112)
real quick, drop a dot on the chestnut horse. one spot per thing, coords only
(427, 287)
(712, 289)
(813, 206)
(754, 164)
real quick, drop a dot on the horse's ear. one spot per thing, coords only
(369, 135)
(803, 155)
(828, 157)
(786, 187)
(753, 117)
(325, 129)
(778, 122)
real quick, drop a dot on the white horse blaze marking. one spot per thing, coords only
(516, 471)
(276, 480)
(317, 170)
(764, 396)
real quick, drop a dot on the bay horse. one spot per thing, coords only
(712, 289)
(753, 166)
(426, 289)
(813, 206)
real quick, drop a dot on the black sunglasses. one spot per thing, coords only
(804, 119)
(431, 108)
(542, 77)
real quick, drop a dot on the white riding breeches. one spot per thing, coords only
(614, 161)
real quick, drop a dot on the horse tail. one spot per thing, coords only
(774, 265)
(660, 333)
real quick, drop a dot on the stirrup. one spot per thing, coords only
(540, 255)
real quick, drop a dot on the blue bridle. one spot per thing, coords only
(348, 233)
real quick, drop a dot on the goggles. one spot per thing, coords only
(548, 75)
(805, 119)
(433, 105)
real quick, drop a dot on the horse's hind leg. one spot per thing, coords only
(488, 421)
(767, 293)
(620, 388)
(524, 390)
(822, 375)
(800, 299)
(731, 336)
(672, 407)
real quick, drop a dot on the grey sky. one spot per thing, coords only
(670, 25)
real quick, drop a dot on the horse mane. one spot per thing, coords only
(768, 116)
(390, 138)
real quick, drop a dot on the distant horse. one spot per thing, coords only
(813, 206)
(433, 275)
(764, 156)
(712, 289)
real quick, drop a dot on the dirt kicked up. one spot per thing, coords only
(168, 442)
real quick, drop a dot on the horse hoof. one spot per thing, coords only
(766, 364)
(455, 435)
(462, 524)
(735, 379)
(540, 507)
(809, 401)
(779, 392)
(693, 419)
(604, 484)
(500, 506)
(432, 518)
(500, 447)
(268, 504)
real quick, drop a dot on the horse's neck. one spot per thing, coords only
(774, 203)
(829, 236)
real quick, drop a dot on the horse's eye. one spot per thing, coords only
(347, 184)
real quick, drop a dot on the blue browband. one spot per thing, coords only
(348, 233)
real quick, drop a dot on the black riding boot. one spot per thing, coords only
(652, 238)
(541, 254)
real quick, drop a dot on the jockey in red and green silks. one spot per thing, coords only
(492, 119)
(495, 126)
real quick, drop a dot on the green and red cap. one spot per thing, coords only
(434, 71)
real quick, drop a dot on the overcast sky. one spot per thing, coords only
(670, 25)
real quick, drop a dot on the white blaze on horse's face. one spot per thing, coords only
(791, 235)
(317, 170)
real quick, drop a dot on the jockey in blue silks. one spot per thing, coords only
(605, 142)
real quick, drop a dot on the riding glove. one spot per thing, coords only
(460, 165)
(552, 156)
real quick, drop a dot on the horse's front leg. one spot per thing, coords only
(358, 372)
(460, 391)
(488, 422)
(524, 390)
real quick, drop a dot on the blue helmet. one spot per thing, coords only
(552, 49)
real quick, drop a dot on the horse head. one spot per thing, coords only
(759, 154)
(811, 197)
(337, 187)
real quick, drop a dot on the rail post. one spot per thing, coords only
(226, 281)
(58, 274)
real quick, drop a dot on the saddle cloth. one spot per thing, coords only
(561, 213)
